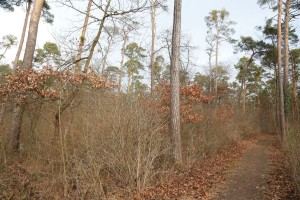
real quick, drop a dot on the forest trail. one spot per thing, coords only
(255, 169)
(247, 179)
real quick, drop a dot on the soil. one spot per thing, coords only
(246, 179)
(263, 172)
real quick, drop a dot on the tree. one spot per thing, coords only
(82, 37)
(286, 49)
(247, 44)
(111, 32)
(112, 73)
(280, 80)
(221, 30)
(249, 75)
(46, 15)
(125, 32)
(153, 28)
(7, 5)
(153, 9)
(18, 110)
(7, 42)
(295, 61)
(175, 65)
(159, 65)
(17, 57)
(134, 53)
(95, 42)
(203, 81)
(210, 51)
(49, 53)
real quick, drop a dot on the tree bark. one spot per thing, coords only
(217, 61)
(82, 37)
(19, 106)
(122, 60)
(286, 55)
(15, 63)
(294, 92)
(175, 101)
(244, 91)
(153, 16)
(109, 44)
(280, 78)
(210, 72)
(32, 33)
(87, 64)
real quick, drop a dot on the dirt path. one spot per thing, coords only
(253, 170)
(246, 180)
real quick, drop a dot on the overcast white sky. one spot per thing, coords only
(246, 13)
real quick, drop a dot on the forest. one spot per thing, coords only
(104, 112)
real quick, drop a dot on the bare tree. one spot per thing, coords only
(175, 65)
(105, 15)
(221, 30)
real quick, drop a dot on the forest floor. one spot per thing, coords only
(255, 169)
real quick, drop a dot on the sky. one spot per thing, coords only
(247, 15)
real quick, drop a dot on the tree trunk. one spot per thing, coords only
(82, 37)
(2, 55)
(210, 70)
(286, 55)
(129, 83)
(87, 64)
(122, 61)
(32, 33)
(15, 63)
(109, 41)
(217, 63)
(2, 111)
(280, 78)
(244, 94)
(19, 107)
(153, 15)
(175, 100)
(277, 97)
(294, 93)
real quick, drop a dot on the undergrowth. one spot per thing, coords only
(108, 144)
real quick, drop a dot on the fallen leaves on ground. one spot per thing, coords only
(195, 182)
(279, 182)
